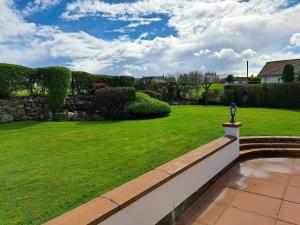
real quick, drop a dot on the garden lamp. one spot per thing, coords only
(232, 110)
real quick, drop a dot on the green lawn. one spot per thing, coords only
(51, 167)
(217, 87)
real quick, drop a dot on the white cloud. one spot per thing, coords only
(133, 67)
(202, 52)
(231, 54)
(248, 53)
(39, 5)
(224, 33)
(295, 40)
(11, 23)
(142, 21)
(91, 65)
(227, 53)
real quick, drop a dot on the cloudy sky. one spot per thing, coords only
(149, 37)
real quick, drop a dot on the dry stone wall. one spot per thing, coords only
(36, 108)
(26, 108)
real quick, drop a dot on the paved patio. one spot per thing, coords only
(254, 192)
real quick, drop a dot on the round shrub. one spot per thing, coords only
(147, 107)
(112, 101)
(12, 78)
(57, 81)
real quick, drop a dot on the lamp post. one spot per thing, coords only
(232, 128)
(232, 110)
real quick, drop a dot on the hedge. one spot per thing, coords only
(153, 94)
(13, 78)
(111, 101)
(82, 82)
(57, 81)
(147, 107)
(284, 95)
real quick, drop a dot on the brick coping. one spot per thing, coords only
(99, 209)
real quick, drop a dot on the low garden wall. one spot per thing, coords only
(161, 195)
(26, 108)
(37, 108)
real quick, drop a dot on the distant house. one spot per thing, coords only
(272, 71)
(238, 80)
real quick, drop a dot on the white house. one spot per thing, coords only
(272, 71)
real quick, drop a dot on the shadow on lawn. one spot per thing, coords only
(18, 125)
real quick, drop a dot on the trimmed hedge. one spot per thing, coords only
(57, 81)
(13, 78)
(117, 81)
(152, 94)
(147, 107)
(82, 82)
(284, 95)
(112, 101)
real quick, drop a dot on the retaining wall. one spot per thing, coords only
(150, 198)
(36, 108)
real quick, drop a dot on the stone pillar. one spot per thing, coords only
(232, 129)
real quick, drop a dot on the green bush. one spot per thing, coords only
(111, 101)
(147, 107)
(82, 82)
(57, 81)
(284, 95)
(254, 80)
(116, 81)
(12, 78)
(153, 94)
(288, 74)
(214, 97)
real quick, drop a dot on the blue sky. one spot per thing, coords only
(143, 37)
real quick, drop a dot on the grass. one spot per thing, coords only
(217, 87)
(193, 92)
(51, 167)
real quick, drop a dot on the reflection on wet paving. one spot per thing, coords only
(255, 192)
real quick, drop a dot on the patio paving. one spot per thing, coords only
(254, 192)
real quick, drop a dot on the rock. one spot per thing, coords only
(6, 118)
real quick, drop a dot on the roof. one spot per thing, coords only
(276, 67)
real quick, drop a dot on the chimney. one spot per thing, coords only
(247, 69)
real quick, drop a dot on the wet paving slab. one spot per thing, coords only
(254, 192)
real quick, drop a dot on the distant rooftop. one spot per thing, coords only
(276, 67)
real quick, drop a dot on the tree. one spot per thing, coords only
(230, 78)
(208, 79)
(288, 74)
(254, 80)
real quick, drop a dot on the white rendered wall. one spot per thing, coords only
(232, 131)
(154, 206)
(269, 80)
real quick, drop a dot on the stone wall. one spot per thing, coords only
(36, 108)
(25, 108)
